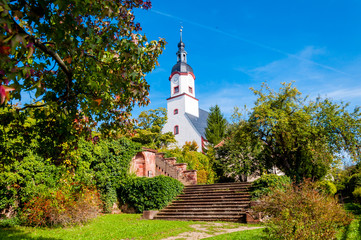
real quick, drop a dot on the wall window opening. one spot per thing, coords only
(176, 89)
(176, 130)
(175, 111)
(190, 89)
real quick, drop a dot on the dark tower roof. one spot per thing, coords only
(181, 65)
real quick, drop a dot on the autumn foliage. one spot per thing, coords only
(63, 207)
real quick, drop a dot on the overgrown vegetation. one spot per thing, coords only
(68, 205)
(149, 193)
(302, 212)
(268, 183)
(44, 193)
(195, 161)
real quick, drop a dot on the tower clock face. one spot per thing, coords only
(176, 79)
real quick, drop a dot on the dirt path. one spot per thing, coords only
(209, 230)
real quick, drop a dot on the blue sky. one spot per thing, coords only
(234, 45)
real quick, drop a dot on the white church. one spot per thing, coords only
(185, 119)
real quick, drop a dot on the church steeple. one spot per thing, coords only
(181, 54)
(181, 65)
(185, 119)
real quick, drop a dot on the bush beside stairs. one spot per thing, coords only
(214, 202)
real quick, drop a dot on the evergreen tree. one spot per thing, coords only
(216, 126)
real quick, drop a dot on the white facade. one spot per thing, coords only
(178, 105)
(183, 112)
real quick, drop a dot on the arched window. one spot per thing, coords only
(176, 130)
(190, 89)
(175, 111)
(176, 89)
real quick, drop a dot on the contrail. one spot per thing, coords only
(250, 42)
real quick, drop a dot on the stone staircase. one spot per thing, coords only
(213, 202)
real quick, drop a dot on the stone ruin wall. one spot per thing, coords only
(150, 163)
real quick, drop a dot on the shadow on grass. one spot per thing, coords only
(354, 208)
(352, 230)
(16, 234)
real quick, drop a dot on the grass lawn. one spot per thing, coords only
(117, 226)
(353, 231)
(130, 226)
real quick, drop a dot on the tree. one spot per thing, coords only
(80, 59)
(302, 138)
(216, 126)
(149, 129)
(239, 154)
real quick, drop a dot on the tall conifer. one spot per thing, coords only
(216, 126)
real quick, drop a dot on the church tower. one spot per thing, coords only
(185, 119)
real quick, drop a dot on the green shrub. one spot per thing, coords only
(327, 187)
(21, 180)
(267, 182)
(9, 222)
(149, 193)
(302, 212)
(351, 183)
(357, 194)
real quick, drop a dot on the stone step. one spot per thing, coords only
(200, 202)
(216, 190)
(222, 184)
(208, 205)
(213, 196)
(178, 210)
(219, 185)
(219, 214)
(241, 195)
(216, 187)
(214, 202)
(205, 200)
(206, 192)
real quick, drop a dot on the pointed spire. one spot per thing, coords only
(181, 54)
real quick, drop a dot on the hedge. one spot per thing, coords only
(149, 193)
